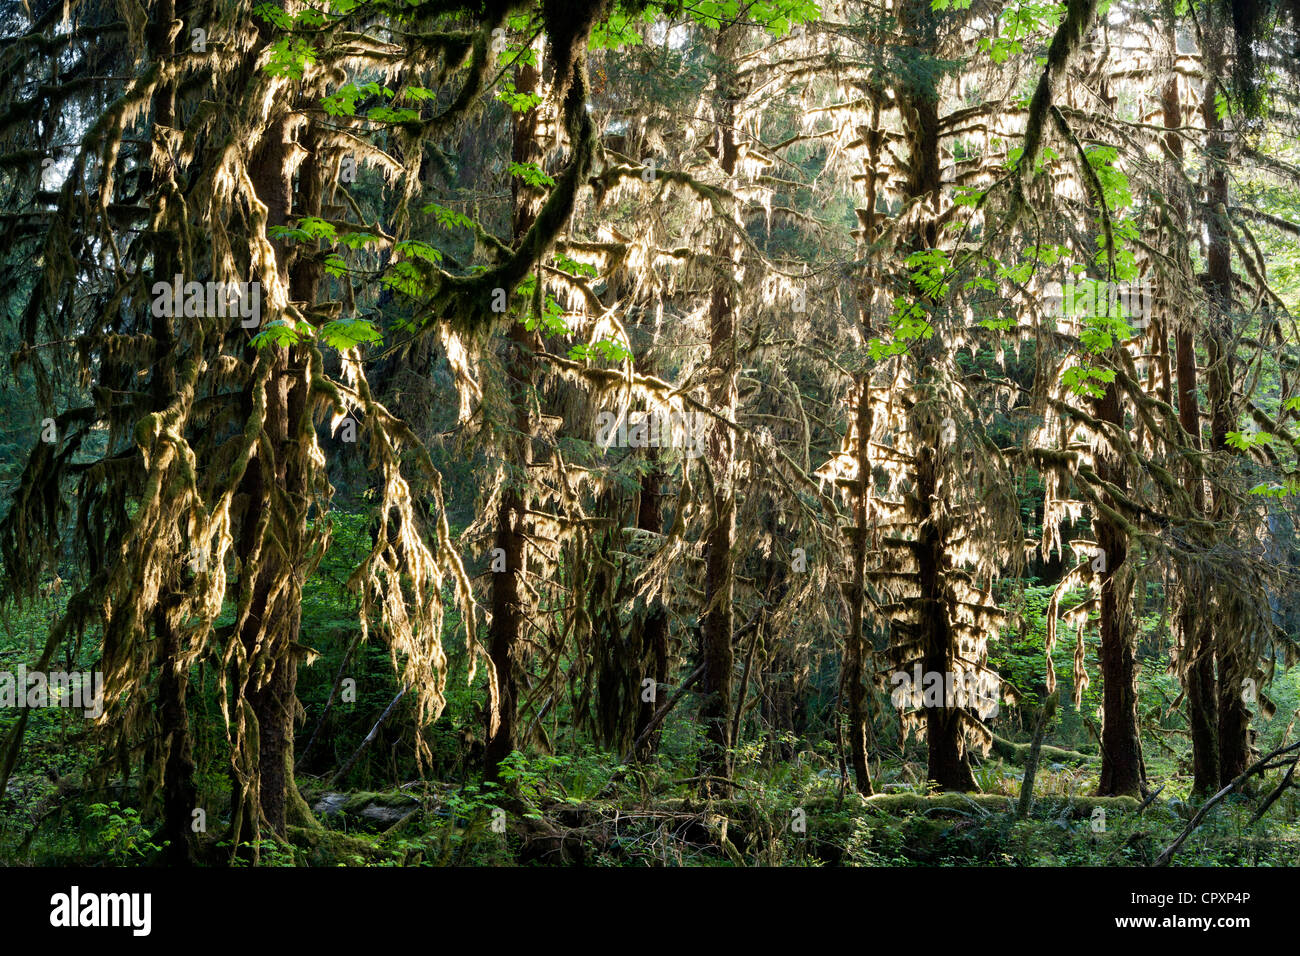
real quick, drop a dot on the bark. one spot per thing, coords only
(948, 762)
(648, 643)
(509, 616)
(853, 677)
(271, 179)
(1026, 801)
(1198, 666)
(1122, 770)
(179, 794)
(654, 627)
(1234, 716)
(716, 651)
(272, 629)
(1198, 642)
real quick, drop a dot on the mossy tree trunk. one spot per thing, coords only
(1193, 624)
(1122, 771)
(717, 625)
(509, 614)
(1233, 664)
(274, 520)
(653, 627)
(918, 102)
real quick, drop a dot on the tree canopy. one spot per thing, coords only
(523, 430)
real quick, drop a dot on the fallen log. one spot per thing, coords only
(1079, 806)
(1259, 767)
(1019, 753)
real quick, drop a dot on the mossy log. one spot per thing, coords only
(1019, 753)
(1079, 806)
(374, 810)
(898, 803)
(321, 847)
(732, 826)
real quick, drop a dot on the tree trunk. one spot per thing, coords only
(505, 636)
(654, 627)
(179, 794)
(948, 762)
(1193, 623)
(853, 678)
(1234, 716)
(266, 635)
(716, 653)
(270, 633)
(1122, 770)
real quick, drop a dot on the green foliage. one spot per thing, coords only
(532, 174)
(343, 102)
(345, 334)
(290, 57)
(1244, 441)
(120, 836)
(782, 764)
(608, 349)
(619, 29)
(283, 333)
(447, 218)
(1016, 24)
(774, 16)
(389, 114)
(518, 102)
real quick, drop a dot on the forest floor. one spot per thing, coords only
(764, 823)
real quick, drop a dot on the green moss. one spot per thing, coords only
(1019, 753)
(383, 798)
(330, 848)
(896, 803)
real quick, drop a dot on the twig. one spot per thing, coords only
(374, 732)
(1164, 858)
(338, 682)
(1277, 792)
(662, 712)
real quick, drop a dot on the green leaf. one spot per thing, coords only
(518, 102)
(415, 249)
(282, 332)
(344, 334)
(532, 174)
(1084, 380)
(356, 240)
(609, 349)
(1244, 441)
(387, 114)
(290, 57)
(273, 15)
(574, 267)
(448, 218)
